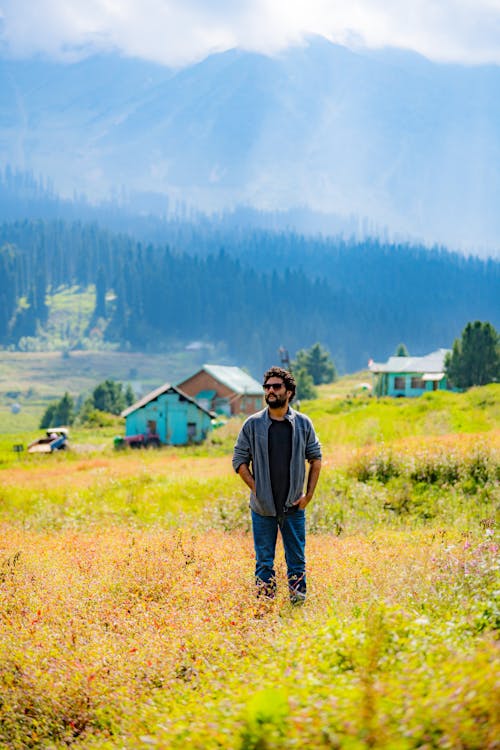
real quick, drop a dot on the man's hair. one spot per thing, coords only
(286, 377)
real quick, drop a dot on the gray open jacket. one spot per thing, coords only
(252, 448)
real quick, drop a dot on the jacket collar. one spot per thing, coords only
(290, 415)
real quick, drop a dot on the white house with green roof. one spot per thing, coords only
(411, 376)
(224, 389)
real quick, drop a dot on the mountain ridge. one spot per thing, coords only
(388, 136)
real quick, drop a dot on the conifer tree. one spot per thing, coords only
(64, 413)
(305, 385)
(475, 358)
(318, 363)
(59, 413)
(108, 396)
(100, 289)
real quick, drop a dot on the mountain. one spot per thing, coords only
(388, 137)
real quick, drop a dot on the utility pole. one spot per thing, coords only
(285, 359)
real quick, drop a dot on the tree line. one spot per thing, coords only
(251, 291)
(108, 397)
(475, 357)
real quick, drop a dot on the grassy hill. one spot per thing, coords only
(361, 420)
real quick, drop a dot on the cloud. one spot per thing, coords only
(178, 32)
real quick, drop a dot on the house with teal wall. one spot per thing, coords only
(171, 414)
(410, 376)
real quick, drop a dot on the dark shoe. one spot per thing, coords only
(267, 590)
(297, 589)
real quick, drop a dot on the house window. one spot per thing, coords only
(399, 383)
(418, 383)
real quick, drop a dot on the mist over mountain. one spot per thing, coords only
(351, 138)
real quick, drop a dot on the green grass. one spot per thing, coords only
(141, 501)
(365, 420)
(71, 307)
(69, 316)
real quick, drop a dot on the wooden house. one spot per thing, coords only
(171, 415)
(224, 390)
(410, 376)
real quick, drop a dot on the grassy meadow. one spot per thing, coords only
(127, 611)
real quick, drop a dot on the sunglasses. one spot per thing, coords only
(274, 386)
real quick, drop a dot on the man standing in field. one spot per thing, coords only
(270, 455)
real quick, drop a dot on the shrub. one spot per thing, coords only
(379, 466)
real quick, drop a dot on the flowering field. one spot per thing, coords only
(128, 617)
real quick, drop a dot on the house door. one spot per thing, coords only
(176, 424)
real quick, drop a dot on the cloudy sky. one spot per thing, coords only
(178, 32)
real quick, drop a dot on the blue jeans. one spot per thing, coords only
(293, 533)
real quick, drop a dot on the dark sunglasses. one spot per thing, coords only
(274, 386)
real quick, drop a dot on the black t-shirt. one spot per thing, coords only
(280, 454)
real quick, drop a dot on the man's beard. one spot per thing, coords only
(277, 402)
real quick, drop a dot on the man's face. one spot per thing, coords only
(276, 394)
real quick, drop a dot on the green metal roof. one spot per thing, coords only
(235, 378)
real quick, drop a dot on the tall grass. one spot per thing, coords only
(139, 638)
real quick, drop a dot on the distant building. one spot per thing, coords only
(175, 417)
(410, 376)
(225, 390)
